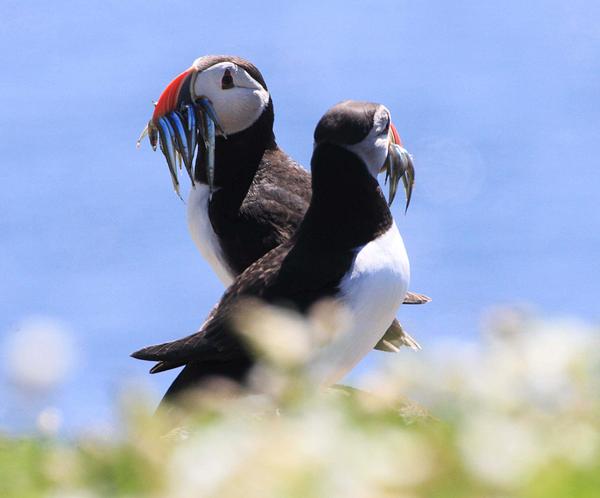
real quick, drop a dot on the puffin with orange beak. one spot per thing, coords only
(248, 196)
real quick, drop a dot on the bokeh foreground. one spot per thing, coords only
(516, 415)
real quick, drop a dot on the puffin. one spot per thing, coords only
(248, 196)
(347, 248)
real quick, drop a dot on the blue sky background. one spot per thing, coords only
(499, 102)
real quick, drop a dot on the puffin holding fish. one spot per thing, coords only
(248, 196)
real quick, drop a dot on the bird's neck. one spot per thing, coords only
(348, 208)
(238, 156)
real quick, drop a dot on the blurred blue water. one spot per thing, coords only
(498, 101)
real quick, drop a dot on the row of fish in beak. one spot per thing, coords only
(180, 133)
(399, 164)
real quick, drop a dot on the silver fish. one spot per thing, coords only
(408, 178)
(192, 134)
(187, 137)
(167, 145)
(153, 135)
(142, 136)
(183, 146)
(151, 132)
(398, 165)
(209, 140)
(210, 110)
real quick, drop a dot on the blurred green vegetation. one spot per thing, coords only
(515, 415)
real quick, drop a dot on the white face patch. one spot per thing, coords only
(373, 149)
(238, 107)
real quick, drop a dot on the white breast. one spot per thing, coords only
(202, 232)
(373, 290)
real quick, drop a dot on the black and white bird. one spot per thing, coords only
(249, 196)
(347, 247)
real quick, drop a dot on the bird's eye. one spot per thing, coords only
(227, 80)
(386, 128)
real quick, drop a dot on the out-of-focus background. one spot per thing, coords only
(499, 102)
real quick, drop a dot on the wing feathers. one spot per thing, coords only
(414, 298)
(394, 338)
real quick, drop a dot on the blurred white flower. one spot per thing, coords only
(281, 336)
(500, 450)
(40, 353)
(552, 354)
(207, 461)
(79, 493)
(399, 456)
(519, 361)
(578, 443)
(328, 318)
(537, 362)
(49, 421)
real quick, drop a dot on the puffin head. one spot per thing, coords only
(366, 130)
(218, 95)
(234, 87)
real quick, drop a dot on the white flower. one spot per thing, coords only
(49, 421)
(204, 463)
(500, 450)
(40, 353)
(280, 335)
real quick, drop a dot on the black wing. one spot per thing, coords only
(269, 214)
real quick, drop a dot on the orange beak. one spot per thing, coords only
(169, 98)
(395, 135)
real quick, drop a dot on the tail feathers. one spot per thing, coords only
(180, 351)
(163, 366)
(151, 353)
(169, 355)
(396, 337)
